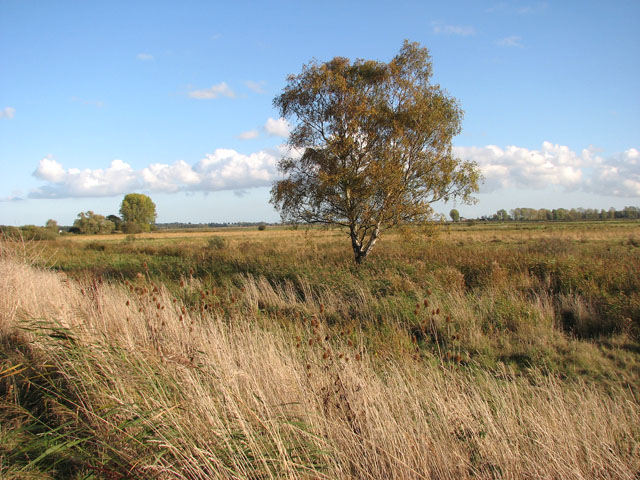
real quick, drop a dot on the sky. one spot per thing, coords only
(174, 99)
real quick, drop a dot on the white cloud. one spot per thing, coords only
(277, 128)
(7, 112)
(144, 56)
(556, 165)
(513, 41)
(257, 87)
(16, 196)
(215, 91)
(248, 135)
(533, 9)
(619, 175)
(94, 103)
(49, 170)
(224, 169)
(118, 178)
(463, 30)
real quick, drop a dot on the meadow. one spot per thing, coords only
(456, 351)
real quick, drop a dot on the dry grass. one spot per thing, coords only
(149, 390)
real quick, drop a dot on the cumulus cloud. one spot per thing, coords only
(257, 87)
(144, 56)
(248, 135)
(513, 41)
(116, 179)
(463, 30)
(7, 112)
(618, 175)
(551, 165)
(277, 128)
(215, 91)
(224, 169)
(557, 166)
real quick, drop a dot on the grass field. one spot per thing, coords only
(459, 351)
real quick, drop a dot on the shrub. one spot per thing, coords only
(262, 227)
(217, 243)
(131, 228)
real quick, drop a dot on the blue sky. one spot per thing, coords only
(174, 99)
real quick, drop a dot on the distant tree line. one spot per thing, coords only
(181, 225)
(562, 214)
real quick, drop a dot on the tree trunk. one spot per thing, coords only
(361, 251)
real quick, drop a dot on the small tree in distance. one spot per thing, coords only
(52, 225)
(375, 142)
(455, 215)
(139, 209)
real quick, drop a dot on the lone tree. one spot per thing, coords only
(374, 146)
(139, 209)
(455, 215)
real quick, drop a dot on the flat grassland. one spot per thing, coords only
(457, 351)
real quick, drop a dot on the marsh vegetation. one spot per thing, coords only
(486, 351)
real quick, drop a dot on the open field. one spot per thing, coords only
(481, 351)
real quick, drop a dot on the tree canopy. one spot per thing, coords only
(92, 223)
(371, 146)
(140, 209)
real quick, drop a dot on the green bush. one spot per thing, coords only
(28, 232)
(131, 228)
(217, 243)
